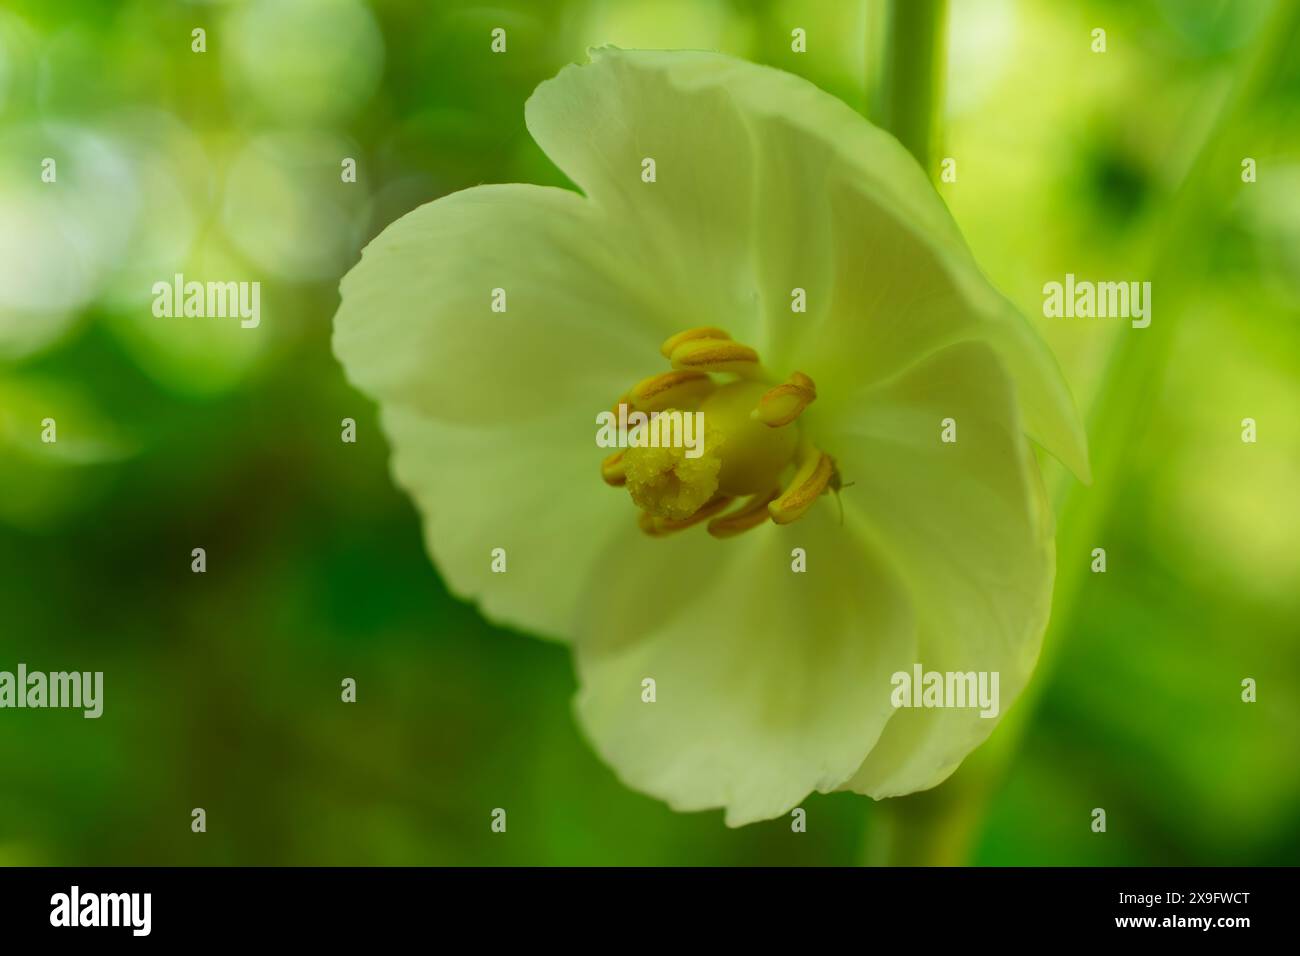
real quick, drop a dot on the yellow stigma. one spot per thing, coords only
(666, 483)
(695, 445)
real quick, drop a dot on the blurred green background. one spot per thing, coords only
(222, 689)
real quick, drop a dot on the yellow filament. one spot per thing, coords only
(657, 526)
(749, 515)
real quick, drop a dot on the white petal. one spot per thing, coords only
(770, 684)
(492, 415)
(416, 325)
(967, 526)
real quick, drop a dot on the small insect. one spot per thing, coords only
(836, 485)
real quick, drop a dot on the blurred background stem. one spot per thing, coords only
(911, 79)
(941, 827)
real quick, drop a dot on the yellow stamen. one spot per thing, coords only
(749, 515)
(613, 471)
(670, 390)
(740, 446)
(701, 332)
(715, 355)
(657, 526)
(810, 481)
(783, 404)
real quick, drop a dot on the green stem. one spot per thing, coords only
(910, 79)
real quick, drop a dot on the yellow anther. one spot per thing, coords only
(667, 482)
(715, 355)
(657, 526)
(749, 515)
(670, 390)
(613, 471)
(784, 403)
(702, 332)
(803, 381)
(810, 481)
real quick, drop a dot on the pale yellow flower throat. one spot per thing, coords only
(751, 439)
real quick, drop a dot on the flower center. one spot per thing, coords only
(700, 445)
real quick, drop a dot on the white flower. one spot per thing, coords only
(769, 683)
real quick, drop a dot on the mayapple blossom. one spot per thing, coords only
(805, 288)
